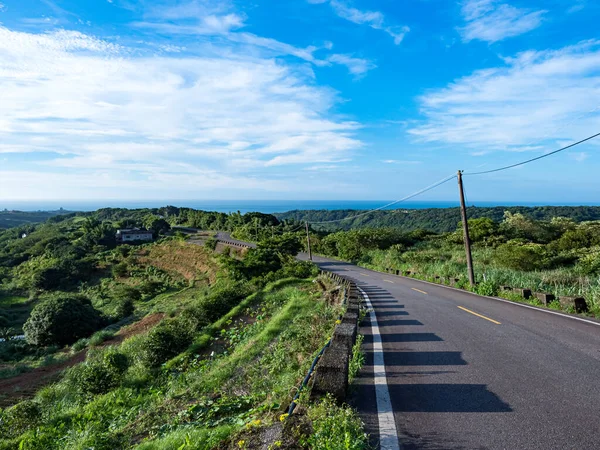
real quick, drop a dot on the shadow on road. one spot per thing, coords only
(424, 358)
(396, 322)
(460, 398)
(410, 337)
(391, 313)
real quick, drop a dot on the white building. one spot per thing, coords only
(133, 234)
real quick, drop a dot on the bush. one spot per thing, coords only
(120, 270)
(221, 300)
(61, 321)
(336, 427)
(125, 308)
(100, 373)
(124, 292)
(300, 269)
(165, 342)
(19, 418)
(487, 287)
(80, 345)
(193, 318)
(100, 337)
(211, 243)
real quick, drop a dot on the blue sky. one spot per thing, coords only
(297, 99)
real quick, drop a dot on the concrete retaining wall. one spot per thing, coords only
(331, 376)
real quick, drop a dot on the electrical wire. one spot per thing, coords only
(536, 158)
(408, 197)
(556, 130)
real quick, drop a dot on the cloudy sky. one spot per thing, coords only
(297, 99)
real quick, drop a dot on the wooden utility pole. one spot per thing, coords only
(465, 223)
(308, 241)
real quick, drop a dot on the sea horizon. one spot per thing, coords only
(263, 206)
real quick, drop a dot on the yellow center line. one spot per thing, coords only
(479, 315)
(365, 274)
(419, 290)
(389, 281)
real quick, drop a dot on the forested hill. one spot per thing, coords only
(436, 219)
(9, 219)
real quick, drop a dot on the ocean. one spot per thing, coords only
(244, 206)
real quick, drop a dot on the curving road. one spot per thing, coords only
(470, 372)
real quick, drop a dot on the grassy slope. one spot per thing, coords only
(264, 348)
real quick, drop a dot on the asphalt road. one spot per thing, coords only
(469, 372)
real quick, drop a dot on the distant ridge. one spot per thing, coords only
(435, 219)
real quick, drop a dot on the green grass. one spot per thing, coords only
(100, 337)
(449, 262)
(200, 399)
(7, 300)
(336, 428)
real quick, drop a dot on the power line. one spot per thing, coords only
(422, 191)
(536, 158)
(556, 130)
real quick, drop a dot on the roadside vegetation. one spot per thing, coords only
(557, 256)
(162, 345)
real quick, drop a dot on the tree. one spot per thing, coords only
(287, 244)
(62, 321)
(157, 225)
(479, 229)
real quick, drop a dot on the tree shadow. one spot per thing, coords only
(391, 313)
(397, 322)
(424, 358)
(459, 398)
(410, 337)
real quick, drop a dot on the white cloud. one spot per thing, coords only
(356, 66)
(399, 161)
(2, 7)
(207, 25)
(157, 122)
(492, 21)
(538, 97)
(577, 6)
(203, 18)
(374, 19)
(580, 156)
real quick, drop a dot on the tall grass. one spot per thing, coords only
(451, 263)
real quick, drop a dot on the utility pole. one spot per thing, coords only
(308, 240)
(465, 223)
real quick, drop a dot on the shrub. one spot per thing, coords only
(99, 373)
(120, 270)
(19, 418)
(193, 318)
(123, 292)
(165, 342)
(300, 269)
(100, 337)
(125, 308)
(487, 287)
(80, 345)
(61, 321)
(522, 257)
(336, 427)
(211, 243)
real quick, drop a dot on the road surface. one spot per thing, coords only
(469, 372)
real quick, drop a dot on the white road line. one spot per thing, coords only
(388, 435)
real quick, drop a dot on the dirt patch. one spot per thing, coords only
(180, 260)
(25, 385)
